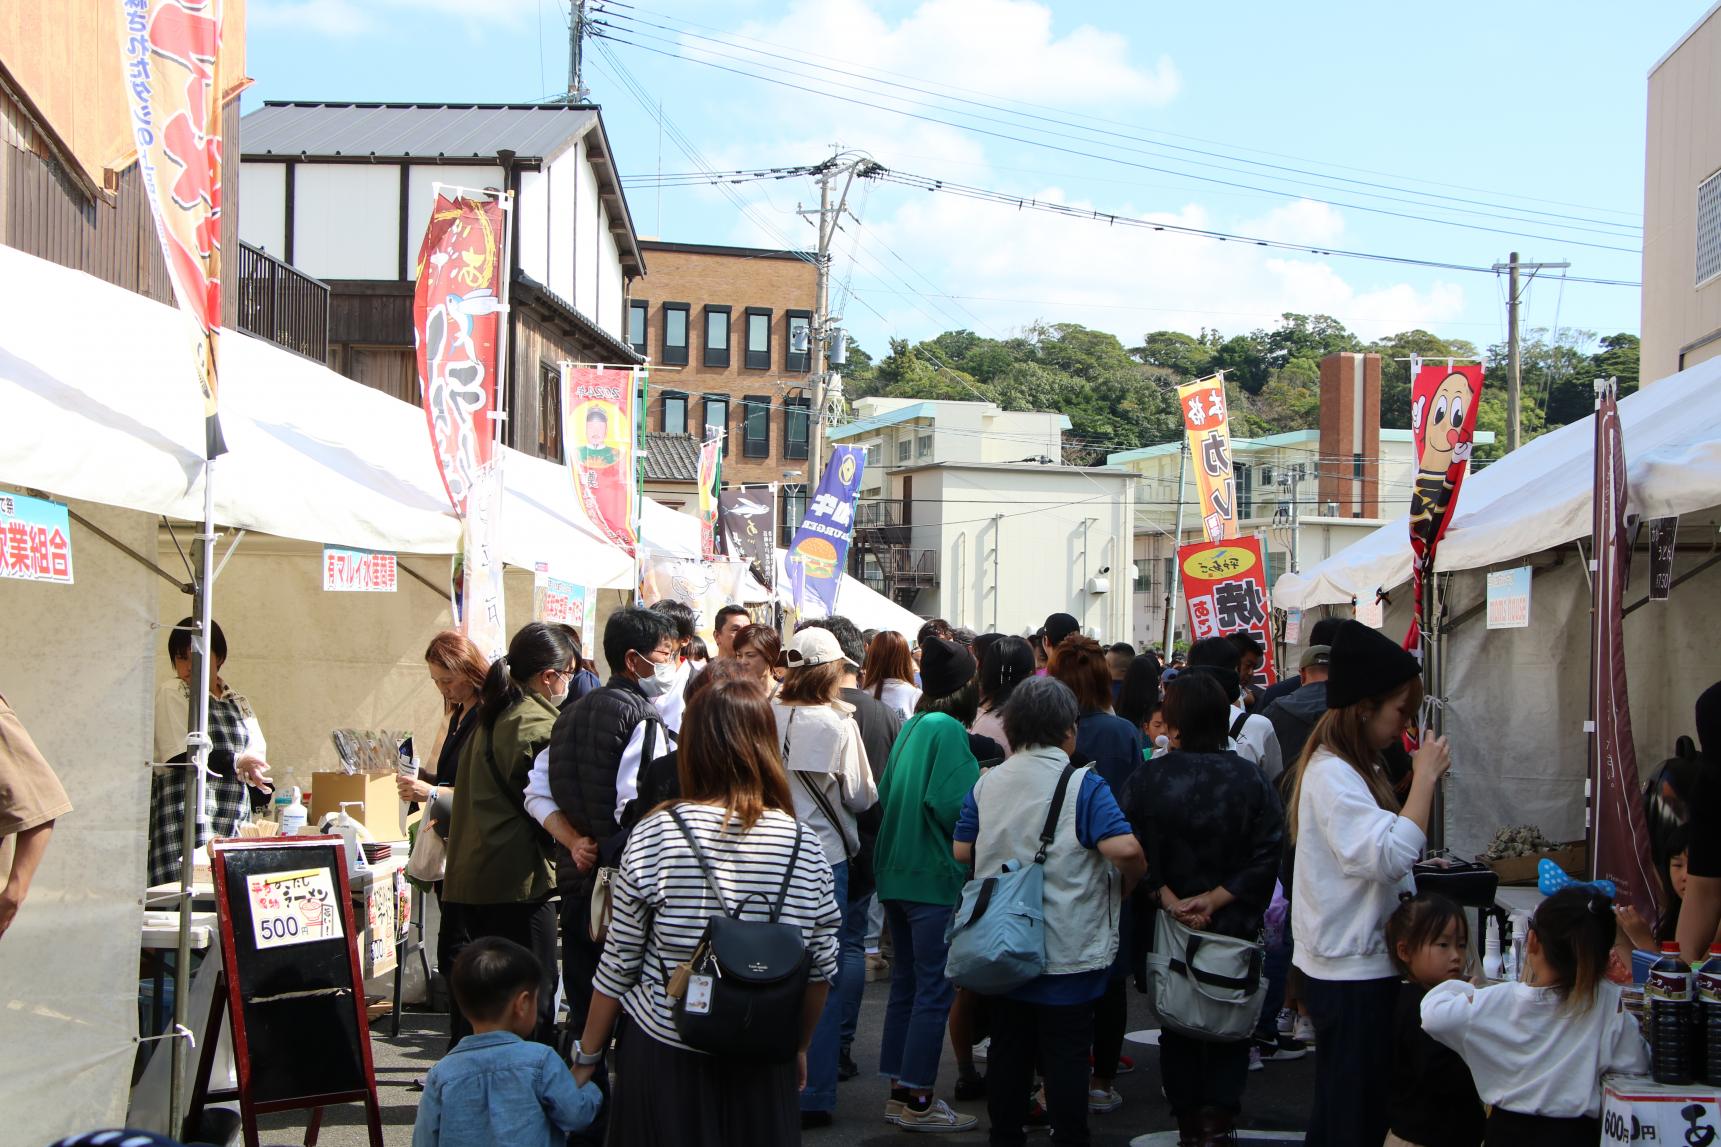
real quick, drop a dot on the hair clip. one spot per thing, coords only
(1551, 878)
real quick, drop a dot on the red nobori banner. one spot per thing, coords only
(456, 314)
(1225, 590)
(1444, 400)
(171, 52)
(597, 413)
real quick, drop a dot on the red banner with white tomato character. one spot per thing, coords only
(1225, 590)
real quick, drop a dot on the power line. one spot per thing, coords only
(611, 35)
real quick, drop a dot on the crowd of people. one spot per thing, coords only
(845, 791)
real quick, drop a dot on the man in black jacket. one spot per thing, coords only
(1295, 714)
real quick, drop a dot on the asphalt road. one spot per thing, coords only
(1277, 1099)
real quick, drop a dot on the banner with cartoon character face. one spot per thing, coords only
(1443, 403)
(598, 428)
(456, 311)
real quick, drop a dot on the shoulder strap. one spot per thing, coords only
(788, 874)
(825, 807)
(1056, 811)
(704, 861)
(1237, 725)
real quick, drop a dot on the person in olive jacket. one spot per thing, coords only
(497, 870)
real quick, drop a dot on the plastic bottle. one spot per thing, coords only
(1709, 1016)
(293, 815)
(1491, 962)
(1668, 1004)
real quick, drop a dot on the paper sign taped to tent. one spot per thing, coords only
(1509, 598)
(1226, 588)
(564, 603)
(296, 907)
(358, 571)
(35, 539)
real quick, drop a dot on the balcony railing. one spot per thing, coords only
(281, 303)
(874, 513)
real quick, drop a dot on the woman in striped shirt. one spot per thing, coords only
(735, 800)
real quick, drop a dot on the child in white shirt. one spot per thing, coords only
(1538, 1049)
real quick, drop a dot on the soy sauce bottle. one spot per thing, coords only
(1709, 1016)
(1669, 1006)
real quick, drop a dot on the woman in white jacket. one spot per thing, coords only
(1355, 845)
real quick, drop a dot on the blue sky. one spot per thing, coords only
(1460, 112)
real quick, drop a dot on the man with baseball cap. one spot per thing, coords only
(1294, 715)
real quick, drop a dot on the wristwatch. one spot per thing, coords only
(583, 1059)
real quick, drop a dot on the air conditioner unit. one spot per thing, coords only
(1330, 509)
(1099, 585)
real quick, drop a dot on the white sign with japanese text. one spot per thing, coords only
(293, 907)
(35, 539)
(358, 571)
(1509, 598)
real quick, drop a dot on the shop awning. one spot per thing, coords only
(1539, 496)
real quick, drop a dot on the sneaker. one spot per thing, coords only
(877, 968)
(893, 1107)
(1303, 1031)
(1287, 1020)
(971, 1086)
(982, 1050)
(938, 1118)
(1280, 1050)
(1255, 1063)
(847, 1068)
(1103, 1101)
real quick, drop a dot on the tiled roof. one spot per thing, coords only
(671, 457)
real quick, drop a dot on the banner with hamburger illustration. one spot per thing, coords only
(1443, 405)
(821, 546)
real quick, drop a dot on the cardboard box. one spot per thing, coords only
(1573, 857)
(377, 792)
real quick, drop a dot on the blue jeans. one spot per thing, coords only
(852, 982)
(820, 1093)
(920, 995)
(1277, 969)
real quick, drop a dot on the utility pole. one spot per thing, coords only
(576, 35)
(828, 384)
(1514, 380)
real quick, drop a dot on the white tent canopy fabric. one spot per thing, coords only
(1539, 496)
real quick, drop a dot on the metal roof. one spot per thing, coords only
(412, 131)
(671, 457)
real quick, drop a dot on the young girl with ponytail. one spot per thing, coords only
(1538, 1049)
(1355, 845)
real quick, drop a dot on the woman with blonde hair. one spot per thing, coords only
(1355, 845)
(736, 814)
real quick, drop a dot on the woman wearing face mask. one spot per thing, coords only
(497, 870)
(1355, 845)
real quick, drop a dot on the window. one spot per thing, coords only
(758, 338)
(674, 413)
(756, 426)
(923, 447)
(392, 370)
(874, 455)
(904, 449)
(793, 500)
(1245, 475)
(717, 419)
(1709, 228)
(636, 312)
(716, 336)
(550, 411)
(798, 342)
(675, 334)
(796, 418)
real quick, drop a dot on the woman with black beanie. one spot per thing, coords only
(1355, 845)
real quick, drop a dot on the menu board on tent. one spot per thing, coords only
(1225, 588)
(37, 537)
(1509, 598)
(358, 571)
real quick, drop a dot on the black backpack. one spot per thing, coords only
(741, 993)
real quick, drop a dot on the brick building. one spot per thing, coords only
(726, 332)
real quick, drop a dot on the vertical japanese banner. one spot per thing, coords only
(597, 412)
(747, 519)
(1225, 589)
(171, 53)
(1443, 404)
(1208, 425)
(1619, 849)
(456, 315)
(710, 488)
(821, 545)
(482, 617)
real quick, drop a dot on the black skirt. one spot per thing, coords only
(1510, 1129)
(661, 1094)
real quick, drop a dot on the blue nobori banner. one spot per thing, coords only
(821, 546)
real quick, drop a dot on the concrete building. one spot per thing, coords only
(897, 432)
(1682, 204)
(343, 192)
(726, 332)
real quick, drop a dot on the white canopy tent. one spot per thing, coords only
(1517, 699)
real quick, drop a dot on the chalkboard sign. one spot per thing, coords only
(289, 946)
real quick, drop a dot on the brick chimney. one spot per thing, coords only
(1350, 435)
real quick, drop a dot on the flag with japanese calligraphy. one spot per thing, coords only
(597, 425)
(1208, 425)
(1225, 590)
(1619, 849)
(171, 54)
(820, 548)
(710, 485)
(456, 309)
(1443, 403)
(481, 615)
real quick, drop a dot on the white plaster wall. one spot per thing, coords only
(345, 221)
(564, 241)
(610, 312)
(533, 256)
(586, 254)
(263, 191)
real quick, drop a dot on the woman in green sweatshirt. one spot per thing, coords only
(919, 881)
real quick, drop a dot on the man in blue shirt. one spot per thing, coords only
(495, 1087)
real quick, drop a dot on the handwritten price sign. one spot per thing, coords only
(293, 908)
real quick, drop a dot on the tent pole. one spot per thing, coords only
(197, 746)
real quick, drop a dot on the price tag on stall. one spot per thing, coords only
(293, 907)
